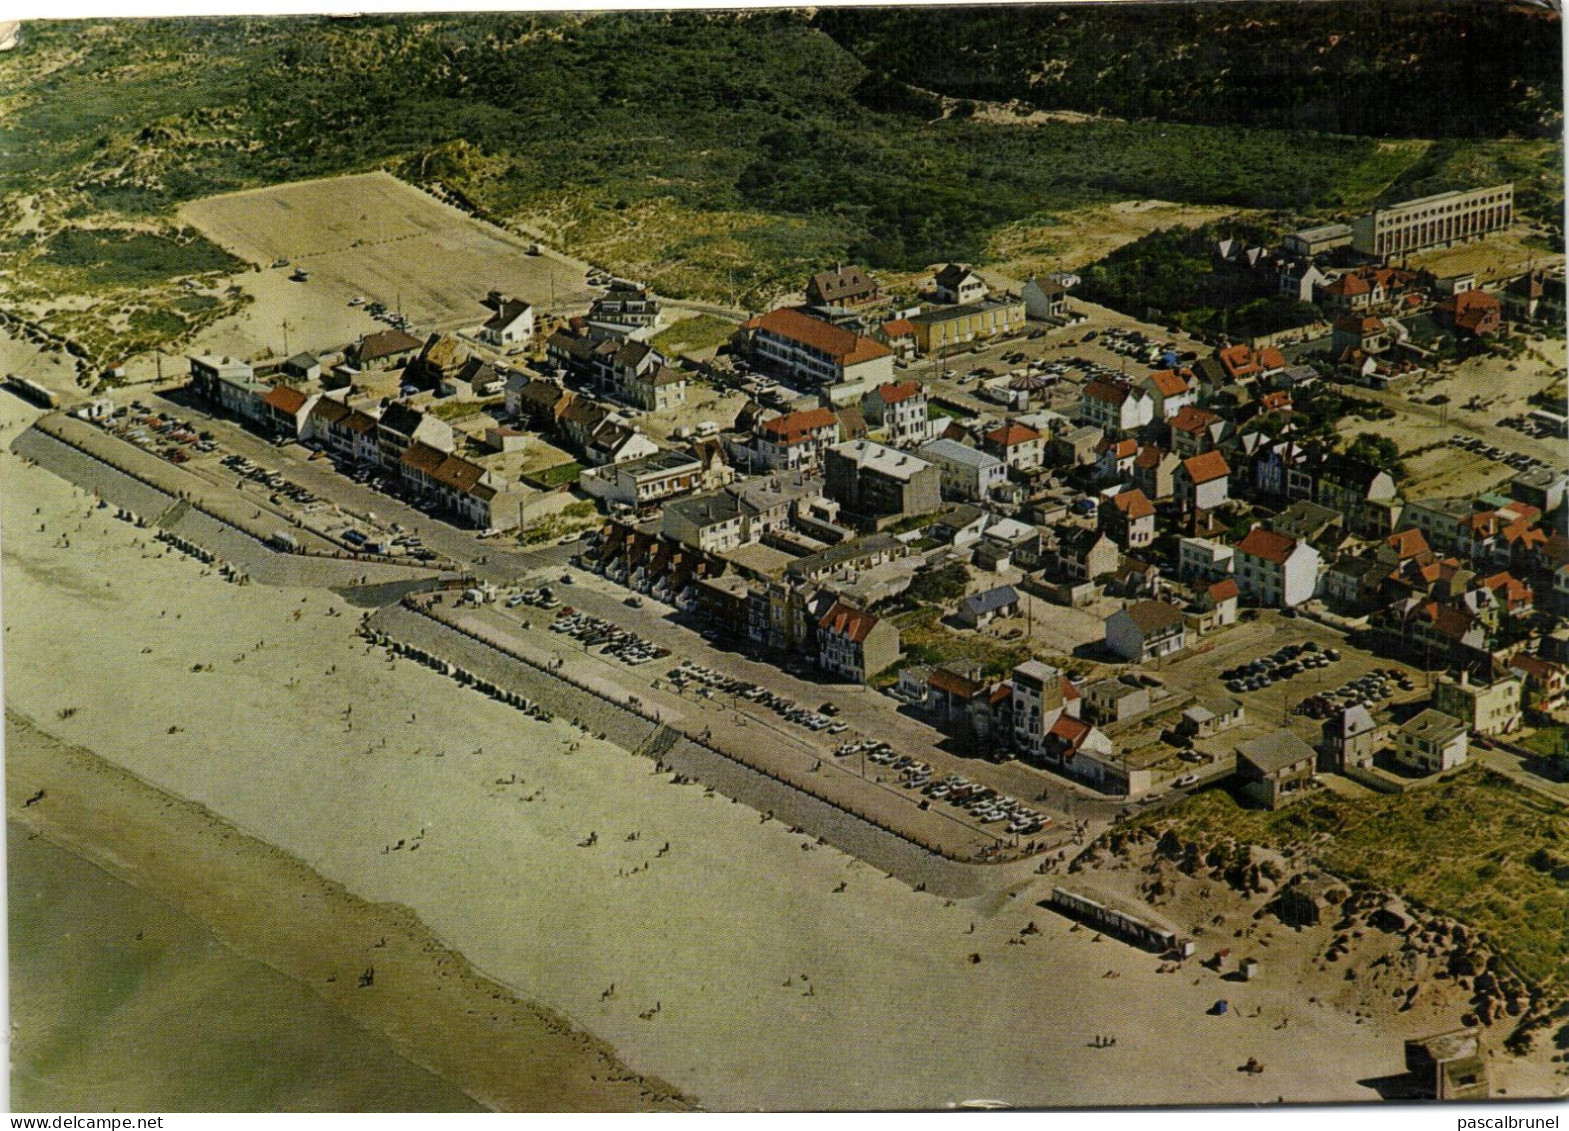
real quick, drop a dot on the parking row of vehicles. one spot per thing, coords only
(983, 804)
(1520, 461)
(593, 632)
(707, 681)
(167, 436)
(1371, 690)
(267, 478)
(1283, 663)
(1135, 343)
(980, 802)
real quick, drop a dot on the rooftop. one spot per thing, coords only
(1275, 751)
(991, 600)
(951, 451)
(885, 461)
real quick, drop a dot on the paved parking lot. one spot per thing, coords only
(1272, 708)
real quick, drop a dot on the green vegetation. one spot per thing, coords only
(725, 155)
(1463, 848)
(561, 474)
(1175, 273)
(690, 335)
(1378, 450)
(1354, 68)
(462, 410)
(937, 586)
(926, 641)
(910, 522)
(99, 259)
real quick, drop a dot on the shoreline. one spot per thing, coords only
(182, 854)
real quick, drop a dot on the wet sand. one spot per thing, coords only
(751, 968)
(99, 966)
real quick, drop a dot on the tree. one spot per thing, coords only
(1380, 451)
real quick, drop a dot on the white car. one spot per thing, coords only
(1186, 779)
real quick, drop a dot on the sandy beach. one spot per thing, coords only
(750, 968)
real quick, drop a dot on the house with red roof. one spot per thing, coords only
(899, 336)
(1115, 405)
(1154, 472)
(1242, 363)
(853, 644)
(285, 410)
(1195, 430)
(1202, 482)
(1214, 606)
(1114, 459)
(1171, 390)
(798, 346)
(795, 441)
(1017, 445)
(1275, 570)
(1128, 518)
(1472, 313)
(1349, 294)
(899, 409)
(1363, 332)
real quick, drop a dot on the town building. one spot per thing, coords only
(796, 441)
(401, 425)
(1350, 739)
(625, 309)
(1195, 430)
(1472, 313)
(1115, 405)
(1431, 742)
(285, 410)
(1211, 717)
(1108, 701)
(1311, 242)
(853, 644)
(1274, 570)
(1085, 555)
(1154, 472)
(511, 322)
(1146, 631)
(854, 554)
(1170, 390)
(1044, 299)
(231, 385)
(385, 349)
(1440, 220)
(645, 483)
(1202, 482)
(1213, 607)
(900, 410)
(980, 609)
(1203, 560)
(1019, 447)
(815, 352)
(1490, 707)
(1040, 695)
(873, 482)
(1128, 518)
(842, 287)
(957, 284)
(946, 327)
(1275, 768)
(966, 473)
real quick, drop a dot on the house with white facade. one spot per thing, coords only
(1274, 570)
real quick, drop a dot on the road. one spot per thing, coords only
(866, 711)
